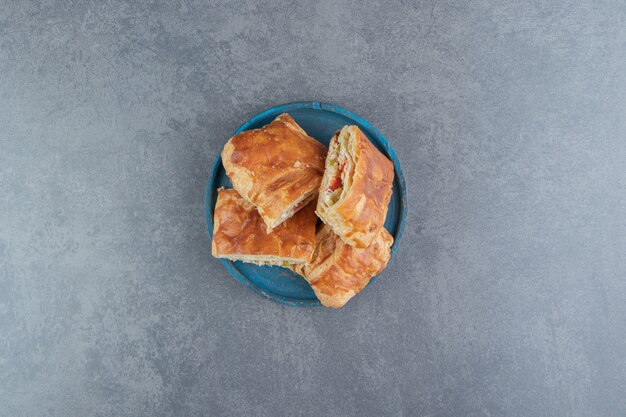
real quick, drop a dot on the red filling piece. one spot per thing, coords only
(336, 181)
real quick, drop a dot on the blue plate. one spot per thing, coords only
(319, 120)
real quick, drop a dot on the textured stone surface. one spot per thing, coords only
(507, 296)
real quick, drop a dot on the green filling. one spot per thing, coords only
(334, 197)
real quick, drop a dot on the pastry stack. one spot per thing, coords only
(284, 180)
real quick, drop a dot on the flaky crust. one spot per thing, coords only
(359, 217)
(240, 231)
(275, 167)
(338, 271)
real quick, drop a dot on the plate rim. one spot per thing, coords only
(285, 108)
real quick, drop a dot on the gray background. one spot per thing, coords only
(507, 296)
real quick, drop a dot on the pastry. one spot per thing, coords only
(240, 234)
(278, 168)
(356, 188)
(338, 271)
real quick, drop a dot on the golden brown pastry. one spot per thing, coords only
(240, 234)
(278, 168)
(338, 271)
(356, 188)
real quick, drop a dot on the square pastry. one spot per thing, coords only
(241, 235)
(278, 168)
(338, 271)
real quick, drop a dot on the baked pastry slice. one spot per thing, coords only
(338, 271)
(240, 234)
(356, 188)
(278, 168)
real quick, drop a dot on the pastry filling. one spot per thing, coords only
(340, 168)
(297, 206)
(262, 260)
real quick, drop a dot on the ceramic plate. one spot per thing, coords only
(319, 120)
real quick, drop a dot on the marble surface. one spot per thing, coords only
(507, 296)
